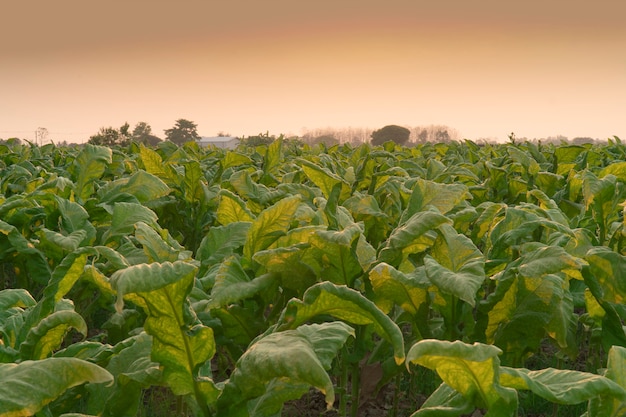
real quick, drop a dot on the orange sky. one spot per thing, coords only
(486, 68)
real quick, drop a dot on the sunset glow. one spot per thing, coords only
(485, 69)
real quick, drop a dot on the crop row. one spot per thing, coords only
(239, 279)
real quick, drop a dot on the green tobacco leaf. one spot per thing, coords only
(272, 160)
(428, 193)
(157, 249)
(609, 269)
(221, 242)
(63, 279)
(344, 304)
(409, 237)
(548, 260)
(522, 310)
(325, 180)
(37, 265)
(300, 356)
(14, 297)
(90, 163)
(232, 208)
(28, 386)
(472, 370)
(192, 182)
(235, 159)
(49, 333)
(75, 218)
(561, 386)
(142, 185)
(152, 161)
(365, 208)
(133, 371)
(256, 195)
(232, 284)
(277, 393)
(124, 217)
(271, 223)
(445, 402)
(336, 252)
(292, 264)
(611, 405)
(618, 169)
(456, 266)
(404, 290)
(52, 241)
(180, 348)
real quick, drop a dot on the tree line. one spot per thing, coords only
(183, 131)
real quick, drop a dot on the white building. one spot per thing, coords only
(224, 142)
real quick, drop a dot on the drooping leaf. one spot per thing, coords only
(124, 217)
(411, 237)
(325, 179)
(14, 297)
(561, 386)
(444, 197)
(455, 265)
(143, 185)
(233, 284)
(155, 247)
(344, 304)
(179, 346)
(133, 370)
(445, 402)
(472, 370)
(222, 241)
(404, 290)
(300, 356)
(49, 333)
(28, 386)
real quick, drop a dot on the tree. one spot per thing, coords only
(327, 140)
(109, 136)
(395, 133)
(258, 140)
(142, 133)
(442, 136)
(183, 131)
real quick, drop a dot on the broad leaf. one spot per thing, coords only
(271, 223)
(472, 370)
(411, 237)
(325, 180)
(455, 266)
(344, 304)
(178, 346)
(232, 208)
(300, 356)
(611, 404)
(90, 165)
(561, 386)
(232, 284)
(28, 386)
(49, 333)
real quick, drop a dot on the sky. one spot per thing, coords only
(537, 68)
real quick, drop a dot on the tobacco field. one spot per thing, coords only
(236, 282)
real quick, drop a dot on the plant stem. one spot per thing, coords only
(355, 381)
(343, 384)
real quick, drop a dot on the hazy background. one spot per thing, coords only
(486, 68)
